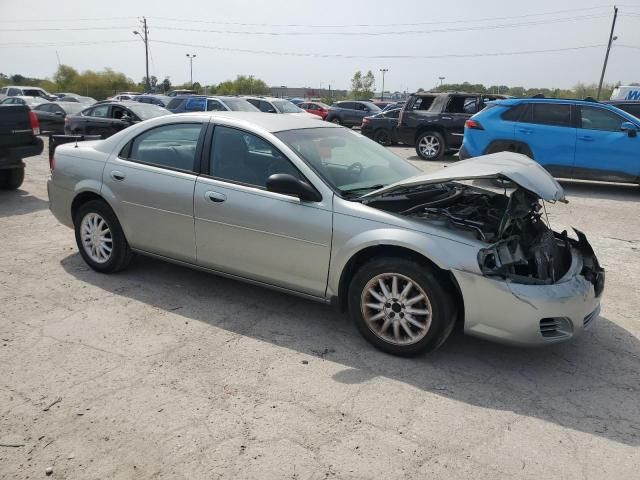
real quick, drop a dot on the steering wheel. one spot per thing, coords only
(355, 169)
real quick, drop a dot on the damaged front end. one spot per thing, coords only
(521, 246)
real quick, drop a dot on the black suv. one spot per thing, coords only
(351, 112)
(434, 122)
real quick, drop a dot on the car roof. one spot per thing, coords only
(269, 99)
(23, 87)
(516, 101)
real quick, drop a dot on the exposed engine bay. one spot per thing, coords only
(522, 247)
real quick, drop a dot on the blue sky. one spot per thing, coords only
(400, 28)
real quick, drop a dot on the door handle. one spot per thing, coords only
(116, 175)
(526, 131)
(586, 138)
(215, 197)
(447, 118)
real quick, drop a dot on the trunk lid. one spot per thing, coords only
(510, 166)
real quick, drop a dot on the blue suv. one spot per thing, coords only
(578, 139)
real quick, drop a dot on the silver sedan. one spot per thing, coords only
(317, 210)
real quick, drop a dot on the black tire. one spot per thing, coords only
(440, 304)
(383, 137)
(11, 178)
(436, 140)
(120, 255)
(336, 120)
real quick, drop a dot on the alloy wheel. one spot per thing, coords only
(396, 309)
(429, 146)
(97, 240)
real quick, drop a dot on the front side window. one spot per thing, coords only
(349, 162)
(285, 106)
(551, 114)
(242, 157)
(175, 103)
(423, 103)
(170, 146)
(462, 104)
(392, 114)
(14, 91)
(600, 119)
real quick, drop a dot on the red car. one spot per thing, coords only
(317, 108)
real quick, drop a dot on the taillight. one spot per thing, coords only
(33, 122)
(473, 125)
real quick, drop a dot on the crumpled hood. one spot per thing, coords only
(515, 167)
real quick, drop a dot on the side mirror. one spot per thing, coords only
(289, 185)
(630, 128)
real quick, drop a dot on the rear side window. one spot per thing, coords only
(101, 111)
(513, 114)
(14, 91)
(196, 105)
(215, 106)
(600, 119)
(175, 103)
(392, 114)
(461, 104)
(3, 91)
(170, 146)
(423, 103)
(551, 114)
(266, 107)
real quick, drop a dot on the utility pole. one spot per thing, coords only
(191, 57)
(441, 80)
(606, 57)
(383, 70)
(145, 39)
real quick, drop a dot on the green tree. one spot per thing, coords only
(356, 85)
(64, 77)
(368, 85)
(243, 85)
(166, 85)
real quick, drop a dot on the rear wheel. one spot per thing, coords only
(430, 146)
(11, 178)
(336, 120)
(100, 238)
(400, 306)
(383, 137)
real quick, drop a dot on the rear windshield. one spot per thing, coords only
(32, 92)
(239, 105)
(285, 106)
(145, 111)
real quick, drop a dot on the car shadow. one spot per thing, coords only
(589, 385)
(19, 202)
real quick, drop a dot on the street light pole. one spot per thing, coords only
(383, 70)
(441, 80)
(145, 39)
(606, 57)
(191, 57)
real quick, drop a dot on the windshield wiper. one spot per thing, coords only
(361, 189)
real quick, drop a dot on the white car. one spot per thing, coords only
(279, 105)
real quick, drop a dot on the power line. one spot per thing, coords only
(435, 22)
(59, 20)
(76, 29)
(62, 44)
(338, 55)
(389, 32)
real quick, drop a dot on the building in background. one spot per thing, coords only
(306, 92)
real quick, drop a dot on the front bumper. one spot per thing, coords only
(529, 315)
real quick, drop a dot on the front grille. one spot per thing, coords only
(588, 320)
(556, 327)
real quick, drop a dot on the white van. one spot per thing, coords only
(631, 92)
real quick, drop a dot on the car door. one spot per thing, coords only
(151, 184)
(245, 230)
(458, 110)
(121, 118)
(548, 130)
(45, 117)
(603, 150)
(97, 121)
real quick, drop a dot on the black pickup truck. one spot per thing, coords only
(19, 130)
(434, 122)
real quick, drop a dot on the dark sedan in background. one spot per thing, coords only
(350, 113)
(51, 116)
(105, 119)
(629, 106)
(381, 127)
(160, 100)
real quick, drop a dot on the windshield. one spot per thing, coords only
(349, 162)
(36, 100)
(239, 105)
(285, 106)
(146, 111)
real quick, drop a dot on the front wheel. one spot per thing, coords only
(430, 146)
(400, 306)
(11, 178)
(100, 238)
(336, 121)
